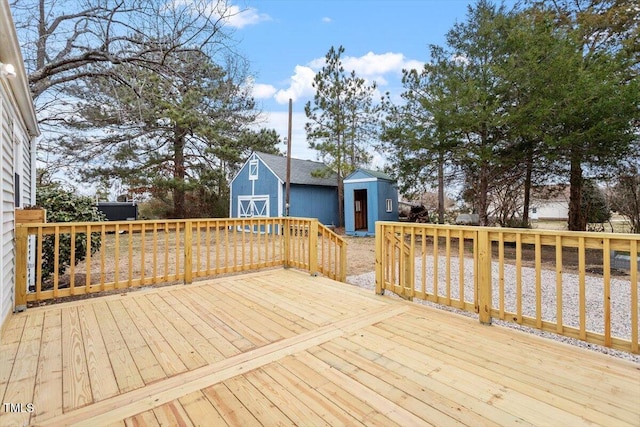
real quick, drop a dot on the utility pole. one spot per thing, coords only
(288, 183)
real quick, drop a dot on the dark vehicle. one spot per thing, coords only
(119, 211)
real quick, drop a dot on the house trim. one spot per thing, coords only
(10, 54)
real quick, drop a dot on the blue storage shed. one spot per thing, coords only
(258, 189)
(369, 196)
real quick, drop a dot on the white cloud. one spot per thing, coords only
(326, 20)
(239, 18)
(231, 15)
(300, 85)
(370, 66)
(374, 65)
(263, 91)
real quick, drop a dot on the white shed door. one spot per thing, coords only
(253, 206)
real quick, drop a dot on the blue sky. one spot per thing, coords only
(286, 40)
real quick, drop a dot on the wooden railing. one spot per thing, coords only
(556, 281)
(140, 253)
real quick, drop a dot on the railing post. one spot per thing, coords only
(188, 254)
(313, 246)
(379, 239)
(21, 268)
(483, 260)
(287, 240)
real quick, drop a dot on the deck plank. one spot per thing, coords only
(231, 320)
(48, 387)
(258, 314)
(172, 414)
(255, 294)
(306, 394)
(20, 388)
(163, 351)
(262, 408)
(200, 410)
(102, 379)
(180, 344)
(122, 362)
(146, 363)
(201, 324)
(527, 370)
(204, 348)
(229, 406)
(12, 334)
(280, 347)
(207, 313)
(282, 397)
(75, 372)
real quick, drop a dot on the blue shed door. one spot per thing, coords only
(253, 206)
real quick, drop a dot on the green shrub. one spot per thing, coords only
(65, 206)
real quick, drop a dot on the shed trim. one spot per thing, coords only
(352, 181)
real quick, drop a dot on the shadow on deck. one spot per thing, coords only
(283, 347)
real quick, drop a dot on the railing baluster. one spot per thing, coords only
(448, 264)
(461, 267)
(519, 278)
(143, 248)
(606, 266)
(56, 260)
(538, 258)
(72, 262)
(116, 277)
(103, 253)
(87, 277)
(501, 273)
(436, 238)
(39, 265)
(633, 274)
(155, 252)
(559, 297)
(582, 292)
(130, 254)
(207, 240)
(166, 251)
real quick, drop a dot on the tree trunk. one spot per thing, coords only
(527, 188)
(483, 199)
(178, 175)
(577, 218)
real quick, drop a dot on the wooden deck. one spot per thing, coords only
(280, 347)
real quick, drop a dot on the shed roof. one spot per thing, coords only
(302, 171)
(372, 173)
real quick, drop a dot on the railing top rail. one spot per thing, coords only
(152, 221)
(491, 230)
(332, 233)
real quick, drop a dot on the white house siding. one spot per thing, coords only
(550, 210)
(18, 130)
(7, 254)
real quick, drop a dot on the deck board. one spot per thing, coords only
(280, 347)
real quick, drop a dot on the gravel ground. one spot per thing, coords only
(620, 298)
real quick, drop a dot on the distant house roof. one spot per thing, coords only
(302, 171)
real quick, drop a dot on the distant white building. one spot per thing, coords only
(549, 203)
(18, 130)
